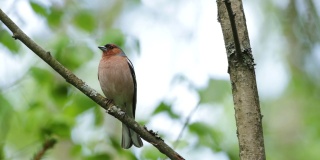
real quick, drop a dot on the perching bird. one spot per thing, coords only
(118, 83)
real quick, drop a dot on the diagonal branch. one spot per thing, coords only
(186, 123)
(48, 144)
(91, 93)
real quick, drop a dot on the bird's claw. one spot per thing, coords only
(109, 101)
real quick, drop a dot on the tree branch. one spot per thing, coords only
(186, 123)
(243, 79)
(91, 93)
(49, 143)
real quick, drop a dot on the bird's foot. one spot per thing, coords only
(109, 101)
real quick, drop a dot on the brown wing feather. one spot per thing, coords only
(134, 100)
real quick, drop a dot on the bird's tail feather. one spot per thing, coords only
(130, 137)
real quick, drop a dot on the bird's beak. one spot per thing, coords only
(103, 48)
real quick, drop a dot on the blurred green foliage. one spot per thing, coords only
(162, 107)
(43, 105)
(291, 121)
(221, 90)
(85, 21)
(6, 40)
(37, 8)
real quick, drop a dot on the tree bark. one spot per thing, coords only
(243, 79)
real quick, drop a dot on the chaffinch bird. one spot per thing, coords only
(118, 83)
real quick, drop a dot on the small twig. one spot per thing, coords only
(176, 143)
(48, 144)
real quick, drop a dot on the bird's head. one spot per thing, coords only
(111, 49)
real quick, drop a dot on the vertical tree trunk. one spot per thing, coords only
(243, 80)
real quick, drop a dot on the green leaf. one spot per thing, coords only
(151, 153)
(99, 116)
(215, 92)
(76, 149)
(6, 113)
(207, 135)
(115, 143)
(58, 128)
(2, 153)
(85, 21)
(162, 107)
(55, 16)
(78, 104)
(25, 127)
(7, 40)
(60, 90)
(98, 156)
(42, 76)
(113, 36)
(72, 56)
(37, 8)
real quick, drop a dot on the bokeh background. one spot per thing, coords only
(178, 52)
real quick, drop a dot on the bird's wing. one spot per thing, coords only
(134, 98)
